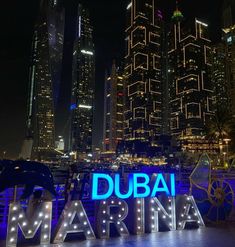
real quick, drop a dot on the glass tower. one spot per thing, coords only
(82, 86)
(113, 109)
(45, 70)
(219, 78)
(228, 24)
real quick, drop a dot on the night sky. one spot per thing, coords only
(108, 17)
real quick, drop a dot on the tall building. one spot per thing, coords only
(142, 72)
(219, 78)
(228, 24)
(45, 71)
(113, 110)
(228, 15)
(56, 25)
(190, 83)
(82, 105)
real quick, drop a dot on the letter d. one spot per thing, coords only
(95, 186)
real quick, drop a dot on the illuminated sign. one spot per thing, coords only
(151, 198)
(139, 186)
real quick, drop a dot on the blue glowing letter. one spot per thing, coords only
(143, 185)
(95, 186)
(172, 178)
(117, 187)
(156, 188)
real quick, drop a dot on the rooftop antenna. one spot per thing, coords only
(177, 4)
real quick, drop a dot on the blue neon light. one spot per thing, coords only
(172, 180)
(156, 187)
(117, 187)
(138, 185)
(96, 177)
(73, 107)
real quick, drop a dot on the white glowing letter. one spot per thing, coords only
(17, 218)
(67, 225)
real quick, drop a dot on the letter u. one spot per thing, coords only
(117, 188)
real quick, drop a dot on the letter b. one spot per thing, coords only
(144, 185)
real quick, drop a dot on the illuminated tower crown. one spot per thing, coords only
(177, 15)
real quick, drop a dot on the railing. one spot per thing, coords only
(182, 187)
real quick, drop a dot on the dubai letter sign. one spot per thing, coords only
(134, 185)
(152, 198)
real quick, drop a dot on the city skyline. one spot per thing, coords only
(117, 118)
(112, 51)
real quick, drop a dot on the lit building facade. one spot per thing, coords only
(113, 110)
(56, 25)
(82, 86)
(228, 24)
(142, 72)
(45, 72)
(219, 78)
(190, 82)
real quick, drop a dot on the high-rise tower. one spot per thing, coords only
(45, 71)
(228, 24)
(191, 89)
(45, 77)
(219, 77)
(228, 15)
(143, 74)
(82, 86)
(56, 25)
(113, 109)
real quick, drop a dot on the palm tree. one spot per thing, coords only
(221, 130)
(220, 126)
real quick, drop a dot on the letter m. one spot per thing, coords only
(29, 225)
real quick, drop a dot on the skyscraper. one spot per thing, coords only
(228, 15)
(113, 109)
(44, 78)
(219, 77)
(82, 86)
(56, 25)
(190, 84)
(142, 72)
(228, 24)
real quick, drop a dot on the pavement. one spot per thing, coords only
(220, 236)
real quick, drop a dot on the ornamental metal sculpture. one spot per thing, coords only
(214, 197)
(27, 174)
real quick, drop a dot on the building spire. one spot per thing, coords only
(177, 15)
(177, 5)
